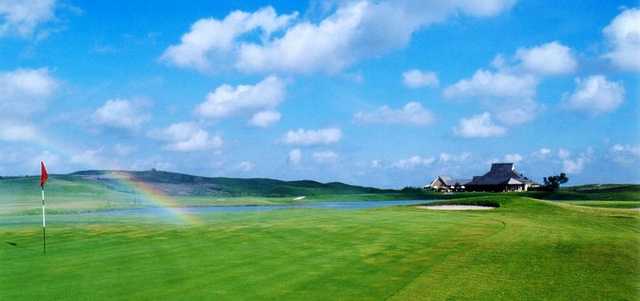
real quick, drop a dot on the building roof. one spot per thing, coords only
(448, 181)
(501, 174)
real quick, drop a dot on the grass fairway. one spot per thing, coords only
(525, 250)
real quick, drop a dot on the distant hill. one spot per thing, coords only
(179, 184)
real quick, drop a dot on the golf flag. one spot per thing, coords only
(44, 176)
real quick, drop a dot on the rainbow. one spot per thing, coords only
(151, 195)
(155, 196)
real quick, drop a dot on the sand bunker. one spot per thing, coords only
(456, 207)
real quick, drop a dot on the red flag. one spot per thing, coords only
(44, 176)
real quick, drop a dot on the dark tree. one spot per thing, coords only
(553, 182)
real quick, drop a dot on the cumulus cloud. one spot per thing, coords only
(325, 157)
(93, 158)
(123, 149)
(625, 153)
(120, 113)
(87, 157)
(12, 131)
(355, 30)
(295, 156)
(24, 91)
(448, 157)
(313, 137)
(413, 162)
(478, 126)
(211, 40)
(515, 158)
(542, 153)
(510, 90)
(21, 18)
(228, 100)
(413, 113)
(375, 164)
(246, 166)
(415, 78)
(576, 164)
(485, 83)
(187, 137)
(563, 153)
(264, 119)
(510, 96)
(547, 59)
(595, 95)
(623, 36)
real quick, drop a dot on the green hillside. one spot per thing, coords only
(178, 184)
(100, 189)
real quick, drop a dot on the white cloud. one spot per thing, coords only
(186, 137)
(574, 166)
(486, 83)
(625, 154)
(120, 113)
(563, 153)
(211, 40)
(485, 8)
(325, 157)
(577, 164)
(227, 100)
(413, 162)
(515, 158)
(295, 156)
(355, 30)
(264, 118)
(93, 158)
(542, 153)
(595, 95)
(123, 150)
(447, 157)
(313, 137)
(517, 112)
(509, 92)
(21, 18)
(87, 157)
(12, 131)
(246, 166)
(547, 59)
(24, 91)
(53, 161)
(510, 96)
(413, 113)
(415, 78)
(375, 164)
(623, 36)
(478, 126)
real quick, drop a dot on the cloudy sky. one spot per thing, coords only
(384, 93)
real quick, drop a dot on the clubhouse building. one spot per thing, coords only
(501, 177)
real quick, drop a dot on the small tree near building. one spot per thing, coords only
(552, 183)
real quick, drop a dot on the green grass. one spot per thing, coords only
(608, 204)
(524, 250)
(612, 192)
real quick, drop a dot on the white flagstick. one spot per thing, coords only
(44, 225)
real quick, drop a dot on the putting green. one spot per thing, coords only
(524, 250)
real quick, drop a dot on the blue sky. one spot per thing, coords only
(383, 93)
